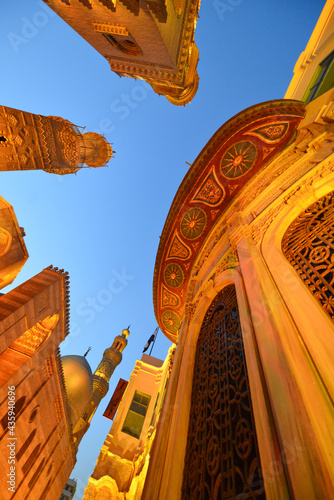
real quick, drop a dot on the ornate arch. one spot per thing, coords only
(221, 453)
(286, 251)
(308, 244)
(5, 241)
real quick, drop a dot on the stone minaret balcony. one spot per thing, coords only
(50, 143)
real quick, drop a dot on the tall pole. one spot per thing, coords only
(155, 336)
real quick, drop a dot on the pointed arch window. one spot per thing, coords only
(26, 444)
(222, 459)
(17, 409)
(31, 460)
(308, 244)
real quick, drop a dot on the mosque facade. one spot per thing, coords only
(47, 401)
(244, 287)
(152, 40)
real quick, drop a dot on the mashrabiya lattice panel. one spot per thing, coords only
(222, 460)
(308, 244)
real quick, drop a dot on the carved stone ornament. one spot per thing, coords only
(236, 152)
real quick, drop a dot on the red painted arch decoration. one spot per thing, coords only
(237, 151)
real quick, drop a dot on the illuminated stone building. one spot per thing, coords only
(13, 251)
(244, 285)
(69, 490)
(123, 461)
(49, 143)
(152, 40)
(34, 319)
(52, 395)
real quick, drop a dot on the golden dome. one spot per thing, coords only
(79, 384)
(125, 333)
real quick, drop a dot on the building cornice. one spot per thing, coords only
(66, 296)
(61, 379)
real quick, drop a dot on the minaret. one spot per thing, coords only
(50, 143)
(111, 358)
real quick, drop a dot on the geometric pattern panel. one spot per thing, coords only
(238, 160)
(308, 244)
(243, 146)
(222, 460)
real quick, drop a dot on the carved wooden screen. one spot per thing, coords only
(222, 460)
(308, 244)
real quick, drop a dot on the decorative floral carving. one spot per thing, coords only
(178, 249)
(193, 223)
(308, 245)
(169, 298)
(189, 310)
(271, 133)
(238, 160)
(230, 261)
(174, 275)
(69, 145)
(210, 192)
(171, 321)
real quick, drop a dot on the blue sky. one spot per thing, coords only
(103, 225)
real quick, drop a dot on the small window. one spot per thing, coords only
(125, 45)
(134, 420)
(31, 460)
(34, 414)
(49, 469)
(17, 409)
(36, 475)
(323, 79)
(25, 445)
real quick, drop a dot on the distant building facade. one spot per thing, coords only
(46, 401)
(69, 490)
(34, 319)
(123, 461)
(13, 251)
(49, 143)
(152, 40)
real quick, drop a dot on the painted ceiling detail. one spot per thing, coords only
(169, 298)
(211, 192)
(174, 276)
(193, 223)
(234, 154)
(238, 160)
(271, 133)
(171, 321)
(178, 249)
